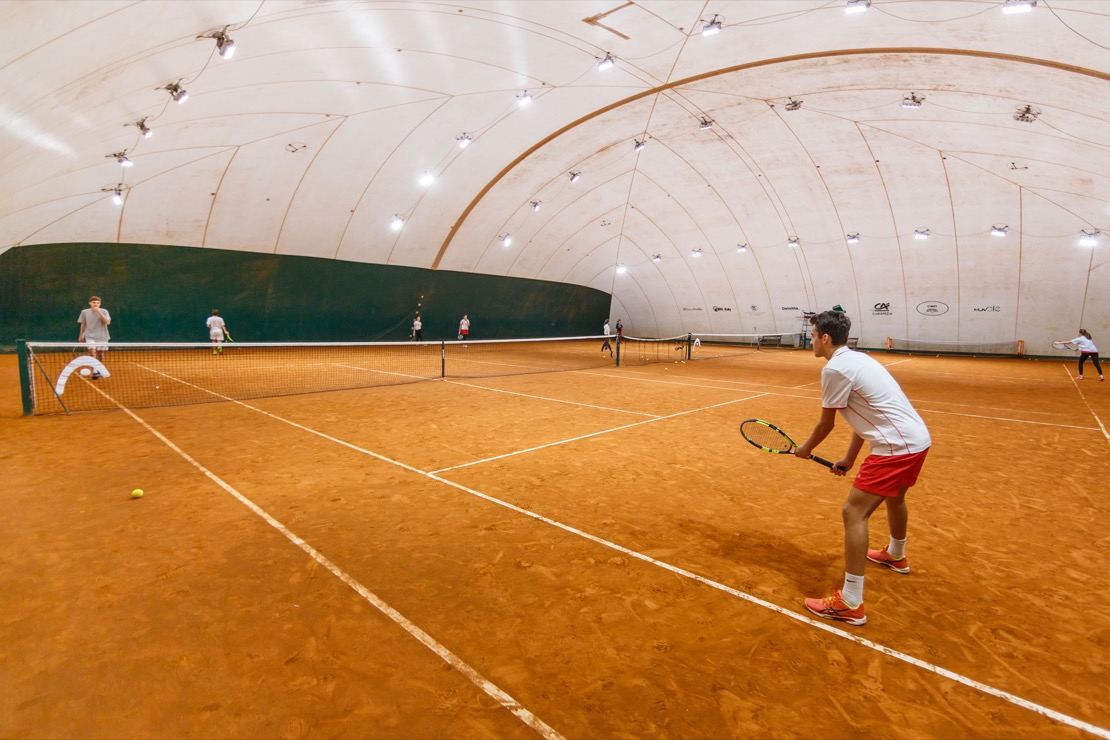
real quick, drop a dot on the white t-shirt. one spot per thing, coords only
(416, 325)
(605, 329)
(216, 327)
(1084, 344)
(870, 400)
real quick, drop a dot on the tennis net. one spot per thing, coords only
(638, 350)
(959, 347)
(60, 377)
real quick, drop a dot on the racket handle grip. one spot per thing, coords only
(821, 460)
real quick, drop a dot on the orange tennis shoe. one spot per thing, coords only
(882, 557)
(836, 608)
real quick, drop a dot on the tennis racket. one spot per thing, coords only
(1063, 345)
(770, 438)
(227, 335)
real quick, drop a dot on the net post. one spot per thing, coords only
(24, 377)
(618, 364)
(689, 345)
(443, 359)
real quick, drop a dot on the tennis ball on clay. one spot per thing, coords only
(137, 493)
(86, 371)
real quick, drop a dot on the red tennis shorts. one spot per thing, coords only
(884, 475)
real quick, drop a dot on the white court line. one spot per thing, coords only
(383, 372)
(487, 686)
(898, 655)
(552, 400)
(891, 364)
(1089, 408)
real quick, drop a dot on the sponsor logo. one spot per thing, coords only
(987, 309)
(791, 308)
(721, 308)
(932, 308)
(695, 308)
(755, 307)
(881, 309)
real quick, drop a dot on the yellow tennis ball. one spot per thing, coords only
(137, 493)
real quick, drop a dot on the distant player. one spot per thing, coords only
(871, 401)
(94, 322)
(217, 330)
(1087, 351)
(606, 345)
(464, 327)
(417, 329)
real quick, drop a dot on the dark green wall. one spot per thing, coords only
(164, 294)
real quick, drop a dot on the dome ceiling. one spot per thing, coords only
(797, 120)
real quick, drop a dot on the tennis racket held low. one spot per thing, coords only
(769, 438)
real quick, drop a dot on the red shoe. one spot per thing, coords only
(882, 557)
(836, 608)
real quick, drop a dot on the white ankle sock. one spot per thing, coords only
(896, 549)
(852, 592)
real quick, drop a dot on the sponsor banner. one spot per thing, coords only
(987, 309)
(722, 308)
(694, 308)
(755, 310)
(882, 308)
(932, 308)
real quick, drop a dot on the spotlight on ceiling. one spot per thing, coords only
(1018, 6)
(524, 99)
(144, 130)
(464, 140)
(1088, 238)
(1026, 113)
(912, 101)
(426, 178)
(177, 92)
(741, 247)
(505, 240)
(639, 145)
(853, 238)
(793, 242)
(575, 176)
(656, 257)
(621, 268)
(695, 252)
(793, 104)
(120, 157)
(117, 197)
(606, 63)
(711, 26)
(999, 230)
(396, 222)
(535, 205)
(224, 45)
(857, 6)
(921, 234)
(705, 124)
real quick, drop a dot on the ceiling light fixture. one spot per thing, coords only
(1026, 113)
(741, 247)
(116, 191)
(606, 63)
(120, 157)
(999, 230)
(1018, 6)
(705, 124)
(505, 240)
(853, 238)
(224, 45)
(535, 205)
(639, 145)
(695, 253)
(711, 26)
(921, 234)
(117, 197)
(656, 257)
(1088, 238)
(793, 104)
(144, 130)
(396, 222)
(524, 99)
(464, 140)
(426, 178)
(621, 268)
(177, 92)
(793, 242)
(575, 176)
(857, 6)
(912, 101)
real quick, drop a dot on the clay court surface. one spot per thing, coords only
(586, 554)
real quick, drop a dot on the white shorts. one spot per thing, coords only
(216, 335)
(95, 346)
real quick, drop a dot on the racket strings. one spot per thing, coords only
(765, 436)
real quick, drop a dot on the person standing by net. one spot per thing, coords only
(870, 400)
(620, 331)
(217, 330)
(417, 329)
(94, 322)
(1087, 350)
(606, 345)
(464, 327)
